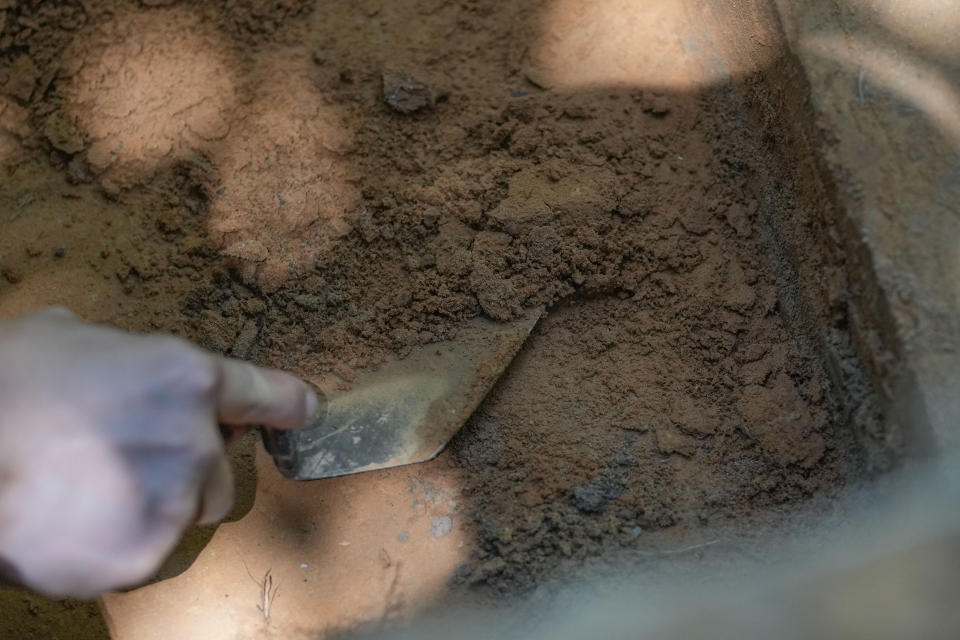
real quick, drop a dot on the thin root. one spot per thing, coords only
(268, 591)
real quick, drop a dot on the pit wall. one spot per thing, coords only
(864, 211)
(887, 131)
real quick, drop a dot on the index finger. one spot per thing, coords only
(247, 394)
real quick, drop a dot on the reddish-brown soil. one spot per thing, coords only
(320, 188)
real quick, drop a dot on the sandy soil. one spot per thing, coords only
(321, 188)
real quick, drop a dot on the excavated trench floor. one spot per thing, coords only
(244, 175)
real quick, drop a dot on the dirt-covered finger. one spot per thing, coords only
(248, 395)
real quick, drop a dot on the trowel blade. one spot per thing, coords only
(405, 411)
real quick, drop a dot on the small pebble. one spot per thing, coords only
(403, 536)
(11, 275)
(405, 94)
(431, 216)
(441, 526)
(637, 531)
(59, 252)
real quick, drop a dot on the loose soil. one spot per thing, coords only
(322, 188)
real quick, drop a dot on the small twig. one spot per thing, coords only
(23, 202)
(670, 552)
(268, 591)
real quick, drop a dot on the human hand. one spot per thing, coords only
(109, 447)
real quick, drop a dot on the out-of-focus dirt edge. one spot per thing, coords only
(861, 159)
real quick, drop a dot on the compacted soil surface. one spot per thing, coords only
(322, 188)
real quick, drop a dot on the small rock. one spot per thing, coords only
(11, 274)
(308, 301)
(403, 536)
(498, 297)
(637, 531)
(634, 204)
(441, 526)
(463, 570)
(751, 352)
(59, 252)
(670, 441)
(110, 188)
(656, 104)
(657, 150)
(431, 216)
(575, 112)
(254, 306)
(405, 94)
(590, 498)
(517, 215)
(490, 568)
(247, 251)
(101, 155)
(63, 133)
(691, 417)
(77, 171)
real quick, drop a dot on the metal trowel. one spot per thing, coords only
(406, 410)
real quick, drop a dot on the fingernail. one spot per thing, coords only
(312, 406)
